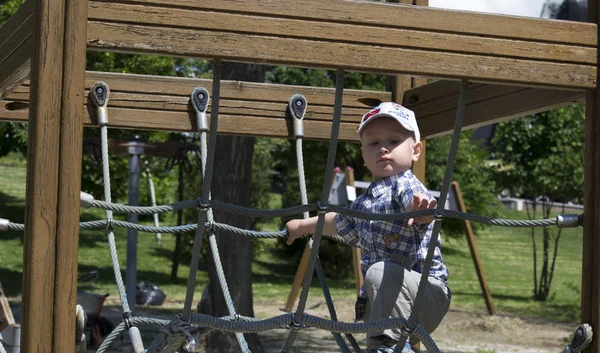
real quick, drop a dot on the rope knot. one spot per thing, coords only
(407, 329)
(321, 208)
(128, 319)
(295, 325)
(203, 206)
(109, 224)
(181, 327)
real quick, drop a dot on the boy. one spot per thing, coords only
(393, 253)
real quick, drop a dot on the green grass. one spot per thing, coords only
(505, 254)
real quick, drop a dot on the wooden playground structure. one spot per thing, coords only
(517, 66)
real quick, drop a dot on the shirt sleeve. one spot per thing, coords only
(347, 228)
(406, 192)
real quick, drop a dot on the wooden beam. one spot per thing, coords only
(398, 16)
(16, 46)
(69, 174)
(42, 179)
(590, 286)
(466, 224)
(161, 103)
(365, 36)
(387, 34)
(53, 176)
(435, 104)
(16, 68)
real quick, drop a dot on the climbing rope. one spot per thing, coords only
(153, 201)
(100, 96)
(297, 108)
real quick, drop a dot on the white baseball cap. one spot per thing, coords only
(404, 116)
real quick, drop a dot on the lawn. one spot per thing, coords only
(505, 254)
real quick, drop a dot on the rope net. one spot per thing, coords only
(181, 332)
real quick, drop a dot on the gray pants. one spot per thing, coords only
(392, 291)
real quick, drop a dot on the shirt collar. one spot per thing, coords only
(379, 187)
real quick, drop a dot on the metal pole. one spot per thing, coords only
(135, 150)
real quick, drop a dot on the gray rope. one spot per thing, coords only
(319, 268)
(289, 211)
(217, 257)
(335, 128)
(122, 328)
(206, 183)
(419, 301)
(147, 210)
(301, 177)
(153, 200)
(282, 233)
(111, 235)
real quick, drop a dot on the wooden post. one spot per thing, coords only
(460, 203)
(356, 252)
(590, 287)
(6, 316)
(53, 176)
(295, 291)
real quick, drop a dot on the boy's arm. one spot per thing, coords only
(298, 228)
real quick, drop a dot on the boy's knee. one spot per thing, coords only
(374, 274)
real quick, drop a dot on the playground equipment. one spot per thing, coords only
(545, 64)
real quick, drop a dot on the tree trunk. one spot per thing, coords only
(232, 175)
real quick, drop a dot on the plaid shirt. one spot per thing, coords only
(380, 239)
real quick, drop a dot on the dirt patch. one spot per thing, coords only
(459, 332)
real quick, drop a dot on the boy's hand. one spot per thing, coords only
(420, 201)
(294, 228)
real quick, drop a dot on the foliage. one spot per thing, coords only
(7, 8)
(471, 171)
(546, 148)
(543, 157)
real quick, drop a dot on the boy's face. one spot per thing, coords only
(388, 148)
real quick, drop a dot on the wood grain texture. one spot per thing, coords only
(435, 104)
(399, 16)
(42, 179)
(339, 32)
(335, 55)
(155, 103)
(16, 68)
(69, 174)
(151, 102)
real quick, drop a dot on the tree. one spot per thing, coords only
(542, 160)
(471, 171)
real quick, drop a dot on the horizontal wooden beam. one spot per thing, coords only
(355, 36)
(435, 104)
(162, 103)
(259, 109)
(16, 47)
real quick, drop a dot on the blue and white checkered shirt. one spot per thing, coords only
(380, 239)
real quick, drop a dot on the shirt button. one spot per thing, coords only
(366, 251)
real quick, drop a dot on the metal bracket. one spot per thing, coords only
(99, 94)
(199, 99)
(297, 108)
